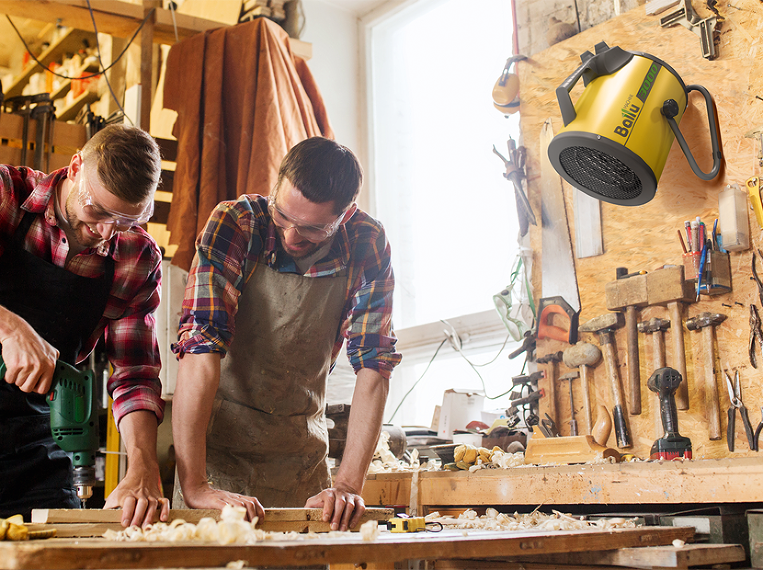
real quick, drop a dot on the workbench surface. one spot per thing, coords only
(65, 554)
(648, 482)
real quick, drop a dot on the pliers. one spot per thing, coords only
(758, 429)
(755, 334)
(755, 276)
(735, 403)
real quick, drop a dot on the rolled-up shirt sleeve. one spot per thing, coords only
(370, 337)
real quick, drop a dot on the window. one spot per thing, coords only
(439, 191)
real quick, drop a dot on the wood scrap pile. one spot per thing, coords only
(232, 528)
(493, 520)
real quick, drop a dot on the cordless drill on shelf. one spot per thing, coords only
(74, 421)
(672, 445)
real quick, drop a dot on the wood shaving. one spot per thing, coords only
(369, 531)
(493, 520)
(384, 460)
(230, 529)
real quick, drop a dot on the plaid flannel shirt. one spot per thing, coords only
(128, 320)
(240, 235)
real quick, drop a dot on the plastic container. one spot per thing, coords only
(732, 216)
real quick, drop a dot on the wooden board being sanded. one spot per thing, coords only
(70, 554)
(72, 523)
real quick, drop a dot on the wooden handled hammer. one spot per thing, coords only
(654, 327)
(604, 326)
(628, 293)
(583, 355)
(668, 287)
(707, 323)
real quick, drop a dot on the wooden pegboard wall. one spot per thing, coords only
(645, 237)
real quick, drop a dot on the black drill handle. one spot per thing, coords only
(664, 382)
(621, 428)
(669, 412)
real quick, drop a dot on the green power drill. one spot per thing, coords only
(73, 421)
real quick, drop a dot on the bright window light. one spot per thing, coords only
(439, 190)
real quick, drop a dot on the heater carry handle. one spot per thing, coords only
(606, 61)
(670, 110)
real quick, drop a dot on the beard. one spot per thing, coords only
(306, 249)
(80, 231)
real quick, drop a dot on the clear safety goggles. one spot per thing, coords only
(312, 233)
(102, 215)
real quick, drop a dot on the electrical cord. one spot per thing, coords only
(455, 341)
(431, 360)
(113, 63)
(100, 61)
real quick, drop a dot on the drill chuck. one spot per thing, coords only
(84, 481)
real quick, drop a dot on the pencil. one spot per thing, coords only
(681, 237)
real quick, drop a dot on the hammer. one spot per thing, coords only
(628, 293)
(604, 326)
(583, 355)
(655, 327)
(570, 376)
(707, 322)
(668, 287)
(553, 359)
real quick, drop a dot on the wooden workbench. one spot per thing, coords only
(65, 554)
(709, 481)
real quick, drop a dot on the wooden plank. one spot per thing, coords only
(657, 482)
(512, 565)
(64, 134)
(51, 516)
(387, 489)
(65, 554)
(654, 556)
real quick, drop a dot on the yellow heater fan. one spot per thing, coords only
(617, 136)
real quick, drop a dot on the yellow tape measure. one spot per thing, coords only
(412, 524)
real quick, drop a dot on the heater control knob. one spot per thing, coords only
(670, 108)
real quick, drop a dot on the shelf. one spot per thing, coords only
(70, 42)
(66, 85)
(70, 112)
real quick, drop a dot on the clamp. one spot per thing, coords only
(705, 28)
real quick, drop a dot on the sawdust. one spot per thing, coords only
(493, 520)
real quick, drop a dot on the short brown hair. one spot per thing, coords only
(323, 171)
(127, 160)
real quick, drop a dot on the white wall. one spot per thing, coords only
(333, 32)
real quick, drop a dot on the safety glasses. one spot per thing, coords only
(312, 233)
(100, 214)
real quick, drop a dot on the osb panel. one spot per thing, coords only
(645, 237)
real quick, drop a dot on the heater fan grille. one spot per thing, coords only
(600, 173)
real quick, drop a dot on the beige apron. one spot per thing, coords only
(267, 435)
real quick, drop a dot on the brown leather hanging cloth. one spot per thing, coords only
(243, 100)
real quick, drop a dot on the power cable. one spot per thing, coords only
(100, 61)
(431, 360)
(455, 341)
(113, 63)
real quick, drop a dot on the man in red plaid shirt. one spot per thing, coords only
(76, 266)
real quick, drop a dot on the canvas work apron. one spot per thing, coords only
(267, 434)
(64, 309)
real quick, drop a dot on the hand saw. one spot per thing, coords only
(559, 283)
